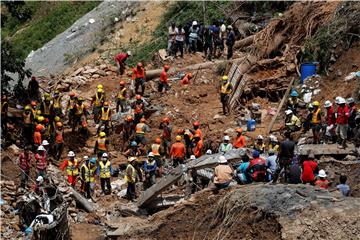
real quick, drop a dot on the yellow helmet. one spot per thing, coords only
(38, 112)
(225, 78)
(27, 107)
(57, 119)
(40, 118)
(102, 134)
(100, 86)
(46, 95)
(316, 104)
(100, 90)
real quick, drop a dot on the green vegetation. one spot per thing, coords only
(48, 19)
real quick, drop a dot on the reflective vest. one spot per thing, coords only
(102, 144)
(27, 118)
(71, 103)
(138, 73)
(225, 88)
(47, 109)
(155, 149)
(41, 162)
(24, 161)
(105, 169)
(57, 102)
(316, 117)
(132, 178)
(98, 100)
(72, 169)
(105, 115)
(139, 129)
(59, 136)
(89, 173)
(121, 94)
(80, 109)
(138, 108)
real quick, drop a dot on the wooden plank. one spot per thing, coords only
(232, 71)
(237, 92)
(324, 149)
(280, 106)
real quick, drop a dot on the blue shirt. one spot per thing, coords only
(344, 189)
(242, 170)
(271, 163)
(149, 168)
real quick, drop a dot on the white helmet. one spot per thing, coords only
(192, 157)
(342, 101)
(41, 148)
(71, 154)
(337, 99)
(350, 100)
(288, 112)
(327, 104)
(105, 155)
(222, 159)
(273, 138)
(209, 152)
(40, 179)
(151, 154)
(226, 138)
(45, 143)
(128, 53)
(85, 158)
(194, 23)
(322, 173)
(260, 137)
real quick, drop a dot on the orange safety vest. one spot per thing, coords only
(138, 108)
(139, 129)
(198, 149)
(80, 109)
(105, 115)
(59, 136)
(71, 103)
(121, 94)
(57, 102)
(47, 109)
(155, 148)
(315, 117)
(98, 100)
(199, 132)
(138, 73)
(102, 144)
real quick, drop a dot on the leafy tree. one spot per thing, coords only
(18, 10)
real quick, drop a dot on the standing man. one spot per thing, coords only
(330, 121)
(59, 140)
(97, 102)
(208, 44)
(80, 111)
(193, 37)
(57, 104)
(129, 130)
(139, 108)
(72, 168)
(138, 75)
(352, 115)
(177, 152)
(101, 145)
(230, 41)
(164, 81)
(285, 156)
(180, 37)
(105, 171)
(140, 130)
(342, 118)
(130, 178)
(316, 122)
(120, 61)
(166, 135)
(225, 91)
(28, 127)
(171, 39)
(24, 164)
(33, 89)
(150, 169)
(199, 145)
(70, 108)
(41, 161)
(105, 118)
(121, 97)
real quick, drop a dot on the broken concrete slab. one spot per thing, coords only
(324, 149)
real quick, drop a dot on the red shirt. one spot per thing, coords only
(342, 115)
(307, 176)
(324, 184)
(330, 116)
(121, 57)
(178, 150)
(138, 73)
(164, 77)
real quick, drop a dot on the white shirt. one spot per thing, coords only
(180, 34)
(172, 32)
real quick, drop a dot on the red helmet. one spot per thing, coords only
(158, 140)
(165, 120)
(33, 103)
(122, 83)
(72, 94)
(196, 124)
(129, 118)
(166, 67)
(138, 97)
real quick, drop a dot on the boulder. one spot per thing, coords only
(101, 73)
(102, 66)
(77, 72)
(14, 150)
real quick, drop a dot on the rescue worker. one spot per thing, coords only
(271, 164)
(140, 130)
(309, 167)
(101, 145)
(139, 108)
(273, 144)
(225, 91)
(120, 61)
(72, 168)
(193, 37)
(87, 175)
(70, 108)
(28, 127)
(37, 136)
(186, 79)
(47, 110)
(199, 145)
(177, 152)
(155, 149)
(4, 115)
(316, 122)
(131, 178)
(41, 161)
(33, 89)
(286, 154)
(59, 140)
(293, 101)
(259, 144)
(138, 76)
(292, 122)
(105, 118)
(105, 171)
(57, 103)
(150, 169)
(330, 122)
(24, 164)
(240, 141)
(352, 115)
(128, 130)
(322, 182)
(342, 120)
(80, 113)
(223, 174)
(242, 174)
(133, 151)
(164, 81)
(257, 167)
(188, 139)
(197, 129)
(166, 135)
(34, 108)
(226, 145)
(121, 97)
(307, 123)
(97, 102)
(230, 41)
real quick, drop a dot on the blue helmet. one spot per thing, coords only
(93, 160)
(294, 93)
(255, 154)
(133, 144)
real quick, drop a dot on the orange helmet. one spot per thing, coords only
(166, 120)
(122, 83)
(106, 104)
(166, 67)
(196, 124)
(190, 75)
(46, 120)
(138, 97)
(142, 120)
(38, 128)
(33, 103)
(139, 65)
(72, 94)
(129, 118)
(158, 140)
(239, 130)
(59, 124)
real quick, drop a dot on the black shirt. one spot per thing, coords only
(287, 148)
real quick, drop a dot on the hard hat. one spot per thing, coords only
(38, 128)
(57, 119)
(59, 124)
(38, 112)
(57, 91)
(142, 120)
(322, 173)
(158, 140)
(71, 154)
(41, 148)
(46, 95)
(166, 67)
(260, 137)
(288, 112)
(138, 97)
(316, 103)
(40, 179)
(85, 158)
(255, 154)
(122, 83)
(229, 27)
(48, 99)
(40, 118)
(225, 78)
(33, 103)
(209, 152)
(46, 120)
(80, 99)
(129, 118)
(192, 157)
(327, 104)
(222, 159)
(273, 138)
(93, 160)
(350, 100)
(100, 86)
(310, 106)
(166, 120)
(27, 108)
(196, 136)
(226, 138)
(194, 23)
(102, 134)
(106, 104)
(139, 65)
(151, 154)
(131, 159)
(72, 94)
(133, 144)
(45, 143)
(342, 101)
(105, 155)
(239, 130)
(196, 124)
(294, 93)
(129, 53)
(178, 138)
(100, 90)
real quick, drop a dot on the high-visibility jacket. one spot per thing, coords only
(239, 142)
(274, 147)
(89, 173)
(71, 103)
(105, 169)
(259, 147)
(105, 114)
(101, 144)
(132, 177)
(27, 118)
(98, 100)
(316, 117)
(37, 138)
(225, 88)
(41, 162)
(199, 132)
(138, 108)
(57, 102)
(177, 150)
(199, 149)
(155, 148)
(72, 168)
(80, 109)
(294, 121)
(164, 77)
(47, 108)
(224, 147)
(322, 183)
(121, 94)
(33, 112)
(24, 161)
(139, 129)
(138, 73)
(342, 115)
(59, 136)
